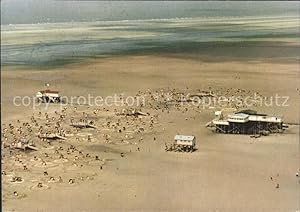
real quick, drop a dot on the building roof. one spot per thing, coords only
(49, 91)
(220, 122)
(239, 115)
(184, 137)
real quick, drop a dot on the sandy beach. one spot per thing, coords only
(132, 170)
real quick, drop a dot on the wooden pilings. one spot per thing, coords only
(250, 128)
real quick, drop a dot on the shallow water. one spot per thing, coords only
(250, 30)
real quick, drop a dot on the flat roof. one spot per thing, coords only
(49, 91)
(220, 122)
(184, 137)
(239, 115)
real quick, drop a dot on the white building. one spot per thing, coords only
(48, 96)
(185, 141)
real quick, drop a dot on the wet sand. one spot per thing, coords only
(226, 173)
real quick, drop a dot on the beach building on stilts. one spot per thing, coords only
(48, 96)
(247, 122)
